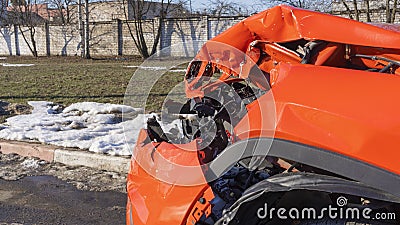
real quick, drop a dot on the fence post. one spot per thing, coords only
(47, 33)
(207, 22)
(87, 30)
(16, 39)
(120, 37)
(162, 34)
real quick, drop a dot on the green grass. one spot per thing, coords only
(67, 80)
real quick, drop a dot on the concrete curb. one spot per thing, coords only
(90, 159)
(44, 152)
(69, 157)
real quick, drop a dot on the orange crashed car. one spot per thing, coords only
(294, 120)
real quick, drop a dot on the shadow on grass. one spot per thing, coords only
(83, 96)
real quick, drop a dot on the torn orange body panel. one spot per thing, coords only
(284, 24)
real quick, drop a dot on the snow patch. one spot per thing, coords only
(155, 68)
(16, 65)
(30, 163)
(178, 70)
(93, 108)
(97, 127)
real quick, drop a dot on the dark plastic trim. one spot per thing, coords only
(342, 165)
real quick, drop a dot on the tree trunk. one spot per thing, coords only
(157, 38)
(128, 25)
(388, 11)
(139, 9)
(159, 28)
(356, 12)
(80, 28)
(68, 14)
(25, 19)
(347, 9)
(394, 10)
(300, 4)
(87, 31)
(32, 45)
(368, 11)
(33, 41)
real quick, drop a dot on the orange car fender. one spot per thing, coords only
(349, 112)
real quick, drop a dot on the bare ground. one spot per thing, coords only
(14, 167)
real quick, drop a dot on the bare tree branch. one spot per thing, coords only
(347, 9)
(220, 8)
(316, 5)
(63, 8)
(25, 16)
(137, 12)
(355, 10)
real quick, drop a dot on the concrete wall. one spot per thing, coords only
(112, 38)
(188, 35)
(64, 40)
(12, 41)
(149, 29)
(377, 10)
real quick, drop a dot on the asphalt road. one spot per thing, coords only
(48, 200)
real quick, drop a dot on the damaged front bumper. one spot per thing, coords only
(160, 183)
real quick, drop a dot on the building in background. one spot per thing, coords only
(124, 10)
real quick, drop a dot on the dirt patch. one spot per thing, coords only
(3, 108)
(12, 109)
